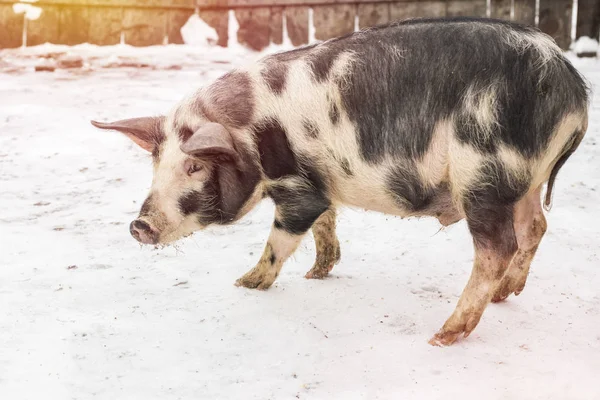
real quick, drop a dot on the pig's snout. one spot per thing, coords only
(143, 232)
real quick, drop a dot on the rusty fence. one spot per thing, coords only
(155, 22)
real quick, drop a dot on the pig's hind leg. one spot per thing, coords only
(489, 206)
(327, 245)
(530, 226)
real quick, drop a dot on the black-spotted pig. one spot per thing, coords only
(452, 118)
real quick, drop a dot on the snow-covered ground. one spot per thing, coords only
(85, 312)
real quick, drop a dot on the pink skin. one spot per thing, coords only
(143, 233)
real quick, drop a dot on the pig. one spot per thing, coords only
(457, 118)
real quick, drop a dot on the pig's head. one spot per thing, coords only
(202, 176)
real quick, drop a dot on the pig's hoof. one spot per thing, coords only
(255, 281)
(519, 286)
(507, 287)
(325, 262)
(441, 339)
(319, 271)
(500, 297)
(455, 327)
(504, 290)
(447, 338)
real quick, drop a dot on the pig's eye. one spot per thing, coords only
(194, 168)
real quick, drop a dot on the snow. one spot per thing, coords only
(312, 29)
(31, 12)
(586, 44)
(85, 312)
(197, 32)
(204, 60)
(233, 27)
(286, 41)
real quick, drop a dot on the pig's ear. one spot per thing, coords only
(211, 140)
(145, 132)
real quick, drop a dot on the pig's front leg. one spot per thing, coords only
(299, 203)
(279, 247)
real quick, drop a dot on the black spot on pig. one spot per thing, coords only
(224, 193)
(190, 202)
(275, 74)
(236, 181)
(395, 102)
(334, 112)
(321, 61)
(276, 156)
(489, 206)
(311, 129)
(180, 124)
(300, 201)
(408, 191)
(231, 100)
(184, 133)
(346, 167)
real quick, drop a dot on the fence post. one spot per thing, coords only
(588, 18)
(555, 20)
(11, 27)
(525, 11)
(218, 19)
(414, 9)
(45, 29)
(471, 8)
(74, 25)
(501, 9)
(372, 14)
(254, 28)
(276, 25)
(144, 27)
(296, 19)
(333, 20)
(176, 19)
(106, 24)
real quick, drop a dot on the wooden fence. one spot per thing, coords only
(154, 22)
